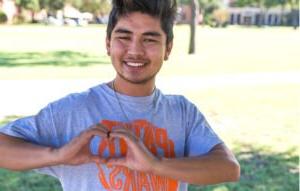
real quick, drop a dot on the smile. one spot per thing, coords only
(135, 64)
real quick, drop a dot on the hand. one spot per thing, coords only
(138, 157)
(77, 151)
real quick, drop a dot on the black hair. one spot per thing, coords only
(164, 10)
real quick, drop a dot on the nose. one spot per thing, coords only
(136, 48)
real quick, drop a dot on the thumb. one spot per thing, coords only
(121, 161)
(97, 159)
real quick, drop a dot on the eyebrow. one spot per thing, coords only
(121, 30)
(149, 33)
(152, 33)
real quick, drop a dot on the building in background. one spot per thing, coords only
(9, 8)
(255, 16)
(227, 14)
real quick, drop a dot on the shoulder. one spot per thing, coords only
(177, 103)
(180, 103)
(178, 100)
(76, 100)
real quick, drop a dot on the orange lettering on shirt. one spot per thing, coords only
(161, 140)
(115, 182)
(142, 181)
(172, 185)
(171, 149)
(123, 147)
(109, 124)
(130, 181)
(149, 140)
(102, 146)
(122, 178)
(157, 182)
(101, 176)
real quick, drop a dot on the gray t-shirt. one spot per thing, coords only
(169, 125)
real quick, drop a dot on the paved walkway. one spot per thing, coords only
(25, 97)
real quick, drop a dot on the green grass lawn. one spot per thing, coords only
(74, 52)
(260, 123)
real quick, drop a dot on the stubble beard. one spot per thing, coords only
(140, 81)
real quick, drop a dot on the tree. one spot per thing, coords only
(31, 5)
(282, 4)
(193, 25)
(92, 6)
(294, 12)
(52, 5)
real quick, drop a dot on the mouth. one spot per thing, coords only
(135, 64)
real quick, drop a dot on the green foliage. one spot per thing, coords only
(19, 19)
(3, 17)
(33, 5)
(25, 181)
(92, 6)
(52, 5)
(208, 7)
(264, 3)
(243, 3)
(221, 17)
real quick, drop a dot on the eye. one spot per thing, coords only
(149, 40)
(124, 37)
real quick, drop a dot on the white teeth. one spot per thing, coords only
(133, 64)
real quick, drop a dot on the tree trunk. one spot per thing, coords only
(193, 25)
(282, 16)
(262, 14)
(295, 18)
(32, 14)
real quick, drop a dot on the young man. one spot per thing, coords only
(125, 134)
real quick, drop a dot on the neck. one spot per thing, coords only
(132, 89)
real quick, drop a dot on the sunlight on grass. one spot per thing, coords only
(219, 51)
(264, 115)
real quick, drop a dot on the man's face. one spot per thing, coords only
(137, 48)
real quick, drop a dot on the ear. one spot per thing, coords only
(107, 43)
(168, 50)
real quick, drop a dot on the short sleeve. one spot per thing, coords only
(36, 129)
(200, 136)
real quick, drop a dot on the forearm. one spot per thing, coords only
(216, 167)
(17, 154)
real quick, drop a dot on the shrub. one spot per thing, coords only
(19, 19)
(3, 17)
(221, 17)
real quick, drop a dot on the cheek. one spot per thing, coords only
(117, 50)
(155, 53)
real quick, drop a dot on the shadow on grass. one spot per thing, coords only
(56, 58)
(262, 171)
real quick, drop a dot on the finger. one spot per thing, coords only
(97, 159)
(121, 161)
(101, 127)
(123, 135)
(125, 132)
(85, 137)
(121, 129)
(97, 132)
